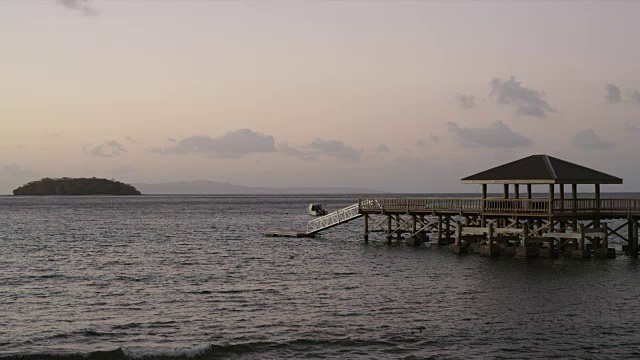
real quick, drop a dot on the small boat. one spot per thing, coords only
(316, 210)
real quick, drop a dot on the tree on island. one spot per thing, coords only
(76, 186)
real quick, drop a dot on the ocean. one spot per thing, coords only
(163, 277)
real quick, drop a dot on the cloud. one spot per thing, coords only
(496, 135)
(172, 140)
(422, 143)
(613, 95)
(327, 148)
(587, 139)
(629, 127)
(633, 96)
(107, 149)
(382, 148)
(528, 102)
(336, 149)
(79, 5)
(294, 151)
(465, 102)
(233, 144)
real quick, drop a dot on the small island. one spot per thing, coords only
(76, 186)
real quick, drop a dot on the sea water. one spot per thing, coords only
(193, 277)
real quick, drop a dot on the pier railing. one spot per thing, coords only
(536, 206)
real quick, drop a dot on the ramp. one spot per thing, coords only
(333, 219)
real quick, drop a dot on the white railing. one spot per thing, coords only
(333, 219)
(501, 206)
(421, 204)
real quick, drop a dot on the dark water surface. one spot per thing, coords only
(158, 277)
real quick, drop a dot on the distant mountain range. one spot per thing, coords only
(203, 187)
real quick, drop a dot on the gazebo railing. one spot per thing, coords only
(516, 205)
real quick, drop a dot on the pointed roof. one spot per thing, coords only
(541, 169)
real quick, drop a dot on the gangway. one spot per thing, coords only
(333, 219)
(322, 223)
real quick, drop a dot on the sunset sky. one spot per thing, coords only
(398, 95)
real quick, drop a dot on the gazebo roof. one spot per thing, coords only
(541, 169)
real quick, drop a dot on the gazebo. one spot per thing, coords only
(543, 170)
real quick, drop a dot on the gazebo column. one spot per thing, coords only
(574, 206)
(483, 219)
(562, 223)
(596, 221)
(505, 192)
(551, 198)
(551, 221)
(516, 195)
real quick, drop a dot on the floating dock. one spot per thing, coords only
(578, 227)
(287, 233)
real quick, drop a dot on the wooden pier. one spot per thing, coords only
(515, 224)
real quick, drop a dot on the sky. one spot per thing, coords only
(401, 96)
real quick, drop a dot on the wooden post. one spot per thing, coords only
(598, 199)
(605, 239)
(562, 197)
(414, 226)
(458, 234)
(490, 236)
(447, 229)
(366, 228)
(506, 191)
(439, 230)
(581, 239)
(525, 234)
(389, 228)
(629, 231)
(633, 244)
(529, 191)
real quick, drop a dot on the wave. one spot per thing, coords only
(212, 351)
